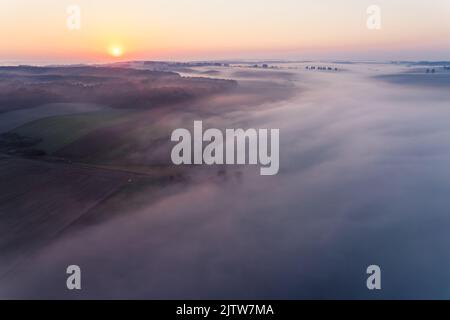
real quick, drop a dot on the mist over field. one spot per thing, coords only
(364, 179)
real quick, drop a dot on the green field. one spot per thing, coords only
(58, 131)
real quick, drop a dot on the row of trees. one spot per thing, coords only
(321, 68)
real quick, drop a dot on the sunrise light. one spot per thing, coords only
(116, 51)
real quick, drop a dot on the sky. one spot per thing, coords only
(36, 31)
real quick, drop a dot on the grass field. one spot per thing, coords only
(58, 131)
(16, 118)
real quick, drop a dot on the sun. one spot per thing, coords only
(116, 51)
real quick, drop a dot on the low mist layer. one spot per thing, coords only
(363, 180)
